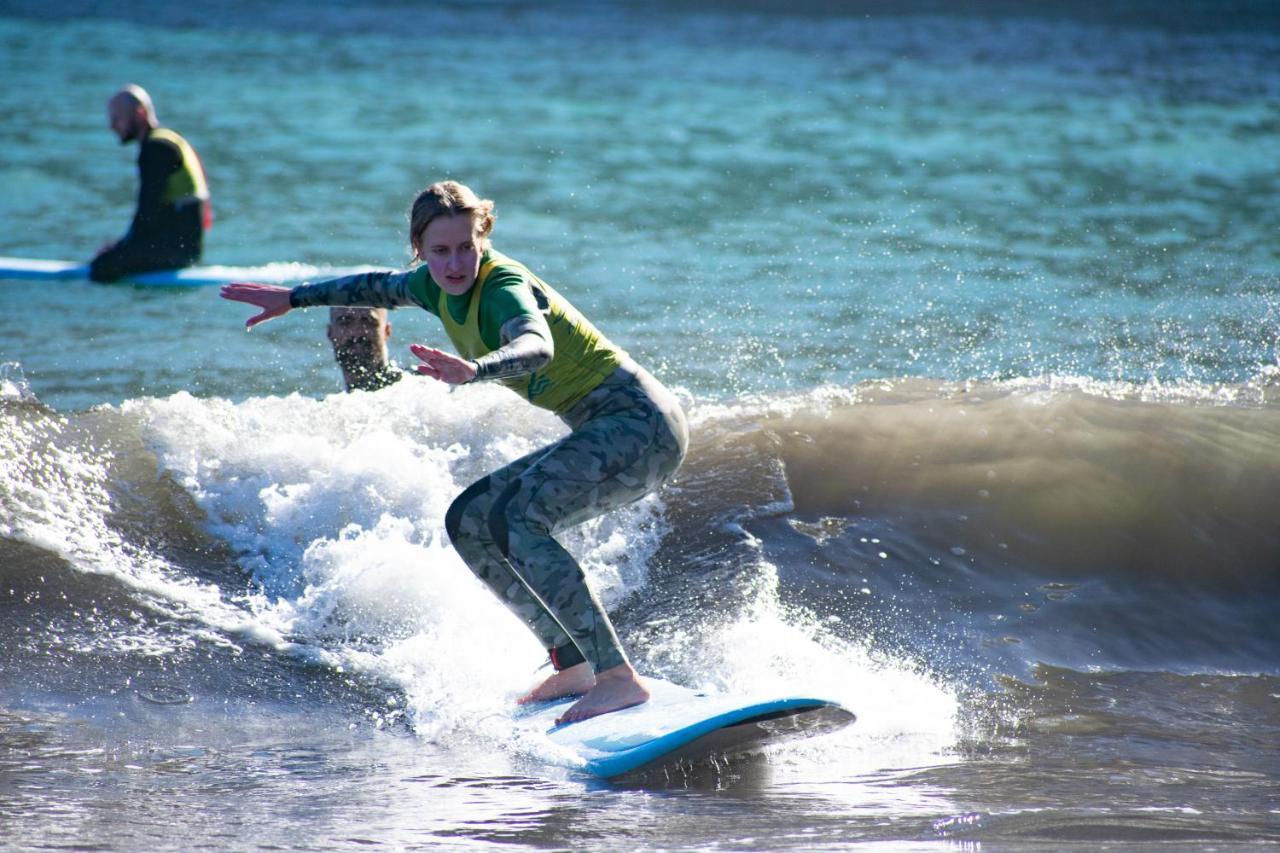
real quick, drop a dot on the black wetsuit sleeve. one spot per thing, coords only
(526, 347)
(156, 162)
(380, 289)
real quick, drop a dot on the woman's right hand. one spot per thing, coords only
(273, 300)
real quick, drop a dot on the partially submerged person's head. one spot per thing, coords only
(449, 228)
(131, 113)
(359, 337)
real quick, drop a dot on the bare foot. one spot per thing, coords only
(567, 682)
(616, 688)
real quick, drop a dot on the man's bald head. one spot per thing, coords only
(347, 321)
(131, 113)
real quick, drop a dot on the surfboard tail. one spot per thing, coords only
(747, 736)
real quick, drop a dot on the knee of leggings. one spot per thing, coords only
(512, 510)
(461, 504)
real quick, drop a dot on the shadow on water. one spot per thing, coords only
(711, 773)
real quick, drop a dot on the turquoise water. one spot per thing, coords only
(975, 315)
(790, 201)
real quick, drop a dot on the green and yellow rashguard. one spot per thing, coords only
(173, 212)
(513, 325)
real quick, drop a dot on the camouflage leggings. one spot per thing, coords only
(628, 437)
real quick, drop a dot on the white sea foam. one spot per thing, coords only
(13, 384)
(905, 718)
(336, 509)
(56, 485)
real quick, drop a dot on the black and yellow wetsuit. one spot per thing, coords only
(168, 226)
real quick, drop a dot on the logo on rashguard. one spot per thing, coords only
(537, 384)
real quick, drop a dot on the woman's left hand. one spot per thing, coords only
(442, 365)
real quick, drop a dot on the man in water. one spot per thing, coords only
(359, 336)
(173, 211)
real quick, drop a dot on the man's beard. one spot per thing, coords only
(357, 357)
(363, 368)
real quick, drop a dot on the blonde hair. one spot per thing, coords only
(449, 198)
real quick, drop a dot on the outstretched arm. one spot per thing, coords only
(527, 347)
(377, 289)
(273, 300)
(382, 289)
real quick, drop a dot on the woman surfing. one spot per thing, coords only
(627, 432)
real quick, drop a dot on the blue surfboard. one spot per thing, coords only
(678, 725)
(278, 273)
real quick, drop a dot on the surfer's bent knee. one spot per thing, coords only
(461, 504)
(499, 524)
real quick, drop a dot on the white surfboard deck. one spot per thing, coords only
(678, 724)
(277, 273)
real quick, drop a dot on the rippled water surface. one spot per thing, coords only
(975, 317)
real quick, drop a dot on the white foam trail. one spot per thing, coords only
(904, 717)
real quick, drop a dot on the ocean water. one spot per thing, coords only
(975, 312)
